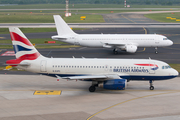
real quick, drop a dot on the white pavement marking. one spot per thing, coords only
(8, 53)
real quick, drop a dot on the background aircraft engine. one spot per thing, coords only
(115, 84)
(131, 48)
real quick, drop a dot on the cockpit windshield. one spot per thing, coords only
(166, 67)
(165, 38)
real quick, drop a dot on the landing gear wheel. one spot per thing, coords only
(156, 52)
(151, 85)
(115, 51)
(92, 88)
(151, 88)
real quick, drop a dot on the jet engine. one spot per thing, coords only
(115, 84)
(131, 48)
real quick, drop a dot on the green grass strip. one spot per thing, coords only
(161, 17)
(41, 46)
(46, 18)
(35, 30)
(175, 66)
(36, 41)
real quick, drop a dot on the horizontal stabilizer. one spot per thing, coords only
(16, 62)
(56, 37)
(24, 64)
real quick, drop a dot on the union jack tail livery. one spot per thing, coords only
(23, 48)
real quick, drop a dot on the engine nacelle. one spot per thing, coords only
(131, 48)
(115, 84)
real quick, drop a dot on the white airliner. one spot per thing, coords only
(124, 42)
(106, 73)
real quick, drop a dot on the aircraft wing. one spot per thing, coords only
(110, 45)
(92, 77)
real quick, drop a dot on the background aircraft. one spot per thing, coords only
(124, 42)
(106, 73)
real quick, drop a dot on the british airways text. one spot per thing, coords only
(131, 70)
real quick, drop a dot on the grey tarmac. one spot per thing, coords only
(77, 103)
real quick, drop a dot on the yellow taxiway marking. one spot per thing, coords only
(145, 30)
(142, 50)
(47, 92)
(129, 101)
(128, 18)
(134, 22)
(2, 37)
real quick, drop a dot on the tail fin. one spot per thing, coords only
(23, 48)
(62, 27)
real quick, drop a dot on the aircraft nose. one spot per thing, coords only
(170, 42)
(175, 72)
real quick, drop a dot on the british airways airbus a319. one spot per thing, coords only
(124, 42)
(110, 74)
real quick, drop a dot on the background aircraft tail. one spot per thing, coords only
(62, 27)
(23, 48)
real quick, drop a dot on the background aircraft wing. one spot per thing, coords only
(111, 45)
(128, 47)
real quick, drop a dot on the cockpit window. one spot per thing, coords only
(165, 38)
(166, 67)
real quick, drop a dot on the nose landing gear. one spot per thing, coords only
(151, 85)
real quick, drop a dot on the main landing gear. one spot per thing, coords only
(151, 85)
(115, 51)
(156, 52)
(92, 88)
